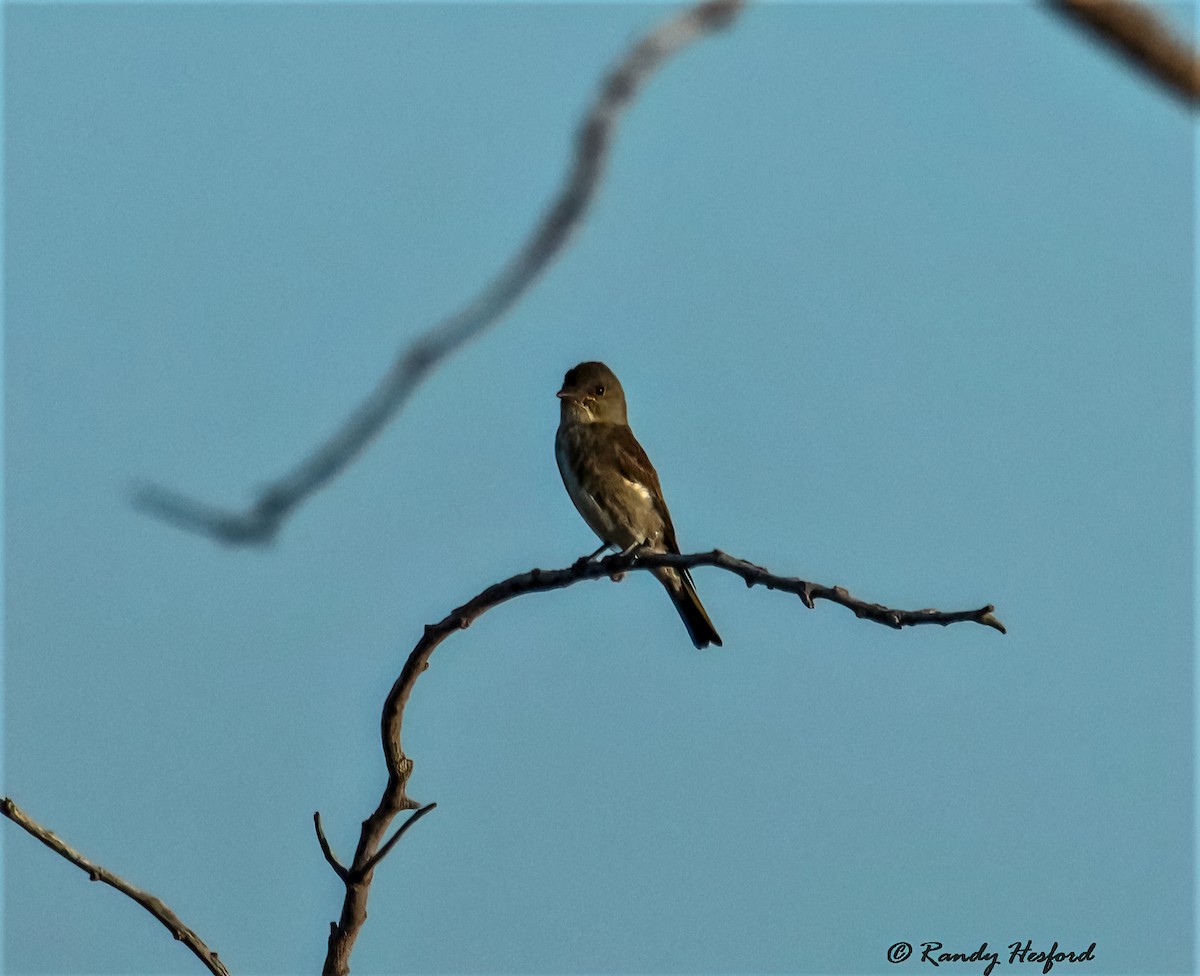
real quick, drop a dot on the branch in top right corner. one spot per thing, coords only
(1141, 36)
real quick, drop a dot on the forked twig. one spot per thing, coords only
(154, 905)
(380, 854)
(261, 521)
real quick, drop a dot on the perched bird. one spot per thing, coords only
(615, 487)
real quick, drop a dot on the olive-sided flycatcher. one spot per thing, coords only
(615, 487)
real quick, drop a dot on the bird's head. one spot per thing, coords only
(591, 393)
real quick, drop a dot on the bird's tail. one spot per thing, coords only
(683, 594)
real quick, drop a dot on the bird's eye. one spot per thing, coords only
(600, 390)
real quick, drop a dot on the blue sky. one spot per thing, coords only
(902, 299)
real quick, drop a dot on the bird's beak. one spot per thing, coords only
(565, 395)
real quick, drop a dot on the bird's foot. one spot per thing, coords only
(629, 552)
(635, 549)
(584, 561)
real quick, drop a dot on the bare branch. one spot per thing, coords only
(1136, 32)
(261, 521)
(152, 904)
(395, 796)
(334, 863)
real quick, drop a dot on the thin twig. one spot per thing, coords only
(386, 848)
(261, 521)
(152, 904)
(334, 863)
(395, 796)
(1137, 32)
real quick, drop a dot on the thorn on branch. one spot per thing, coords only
(990, 621)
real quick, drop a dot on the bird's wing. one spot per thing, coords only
(629, 458)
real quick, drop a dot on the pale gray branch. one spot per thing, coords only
(151, 903)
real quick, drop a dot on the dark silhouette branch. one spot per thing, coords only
(344, 932)
(95, 872)
(261, 521)
(1137, 33)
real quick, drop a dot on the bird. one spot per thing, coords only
(615, 487)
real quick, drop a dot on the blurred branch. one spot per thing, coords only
(153, 905)
(261, 521)
(395, 796)
(1128, 26)
(1136, 31)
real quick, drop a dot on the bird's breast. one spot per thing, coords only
(621, 511)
